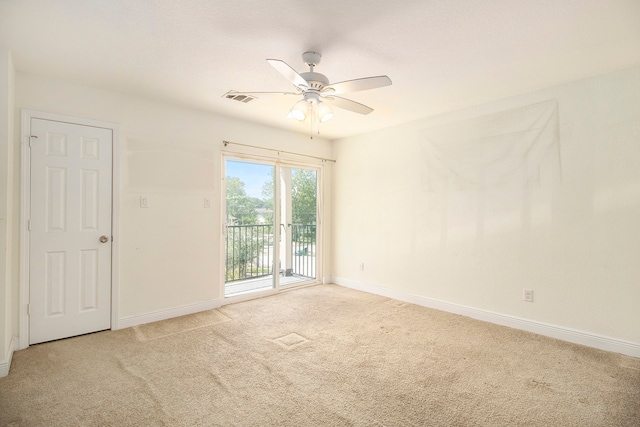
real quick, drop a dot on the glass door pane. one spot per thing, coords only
(298, 214)
(250, 235)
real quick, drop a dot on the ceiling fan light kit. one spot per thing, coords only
(311, 105)
(325, 113)
(318, 94)
(299, 110)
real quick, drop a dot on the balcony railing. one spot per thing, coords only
(250, 251)
(303, 249)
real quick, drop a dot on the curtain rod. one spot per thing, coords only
(225, 142)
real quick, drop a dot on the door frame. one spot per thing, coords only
(276, 161)
(25, 210)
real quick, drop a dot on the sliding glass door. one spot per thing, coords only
(299, 206)
(271, 226)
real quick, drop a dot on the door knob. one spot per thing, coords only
(104, 239)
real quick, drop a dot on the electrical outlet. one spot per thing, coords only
(144, 201)
(207, 202)
(527, 295)
(362, 266)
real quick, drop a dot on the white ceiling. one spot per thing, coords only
(441, 55)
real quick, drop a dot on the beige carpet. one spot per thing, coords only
(319, 356)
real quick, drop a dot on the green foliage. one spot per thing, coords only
(241, 209)
(304, 196)
(267, 200)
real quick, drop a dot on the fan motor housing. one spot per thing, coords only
(316, 80)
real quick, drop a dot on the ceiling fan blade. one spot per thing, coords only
(288, 73)
(347, 104)
(357, 85)
(256, 94)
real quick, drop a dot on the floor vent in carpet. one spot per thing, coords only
(290, 341)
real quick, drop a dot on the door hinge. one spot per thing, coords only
(29, 225)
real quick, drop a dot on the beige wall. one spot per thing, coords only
(563, 222)
(170, 252)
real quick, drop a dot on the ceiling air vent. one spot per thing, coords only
(240, 97)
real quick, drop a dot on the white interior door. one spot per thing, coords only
(70, 230)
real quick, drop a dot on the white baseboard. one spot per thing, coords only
(559, 332)
(141, 319)
(5, 364)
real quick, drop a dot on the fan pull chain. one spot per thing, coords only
(311, 128)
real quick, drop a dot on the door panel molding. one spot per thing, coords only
(25, 209)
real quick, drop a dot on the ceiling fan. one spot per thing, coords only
(318, 95)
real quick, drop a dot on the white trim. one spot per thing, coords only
(25, 209)
(155, 316)
(249, 295)
(223, 224)
(5, 364)
(554, 331)
(115, 227)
